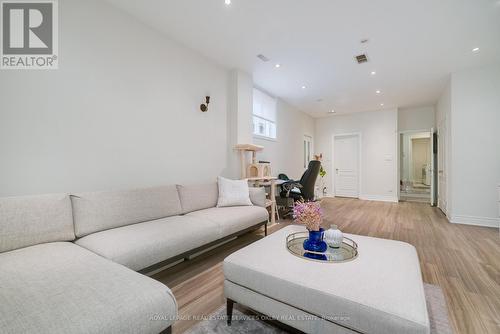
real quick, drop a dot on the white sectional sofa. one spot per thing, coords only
(68, 263)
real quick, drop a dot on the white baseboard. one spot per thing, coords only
(477, 221)
(379, 198)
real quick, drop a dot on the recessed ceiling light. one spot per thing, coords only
(304, 87)
(227, 2)
(277, 65)
(378, 92)
(381, 104)
(373, 72)
(332, 111)
(475, 50)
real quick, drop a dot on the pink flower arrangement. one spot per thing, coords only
(308, 214)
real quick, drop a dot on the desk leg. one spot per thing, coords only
(273, 199)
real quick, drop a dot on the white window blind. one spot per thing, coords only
(264, 114)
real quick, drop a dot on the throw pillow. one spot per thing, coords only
(233, 192)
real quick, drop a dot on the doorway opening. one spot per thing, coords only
(416, 164)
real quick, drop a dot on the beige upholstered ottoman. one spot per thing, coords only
(379, 292)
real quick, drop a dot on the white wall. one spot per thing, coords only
(239, 118)
(379, 174)
(241, 84)
(121, 111)
(475, 145)
(443, 117)
(286, 152)
(421, 118)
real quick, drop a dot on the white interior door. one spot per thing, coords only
(431, 169)
(346, 166)
(441, 166)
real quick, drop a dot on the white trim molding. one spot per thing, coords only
(476, 221)
(379, 198)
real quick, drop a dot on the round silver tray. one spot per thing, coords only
(348, 251)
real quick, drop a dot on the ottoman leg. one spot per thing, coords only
(229, 311)
(167, 331)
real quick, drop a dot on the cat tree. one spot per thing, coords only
(254, 169)
(258, 173)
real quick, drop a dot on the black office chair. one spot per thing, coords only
(302, 190)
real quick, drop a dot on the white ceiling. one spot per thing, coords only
(413, 45)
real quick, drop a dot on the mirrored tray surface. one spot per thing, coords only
(348, 251)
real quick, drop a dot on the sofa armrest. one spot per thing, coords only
(258, 196)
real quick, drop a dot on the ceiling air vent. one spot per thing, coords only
(263, 58)
(361, 59)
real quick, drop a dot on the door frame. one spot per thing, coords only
(347, 134)
(311, 149)
(433, 168)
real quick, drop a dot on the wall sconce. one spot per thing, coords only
(204, 107)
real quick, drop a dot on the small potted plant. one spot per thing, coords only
(322, 174)
(310, 215)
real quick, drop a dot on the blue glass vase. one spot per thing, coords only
(315, 241)
(315, 256)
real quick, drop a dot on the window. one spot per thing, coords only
(307, 150)
(264, 115)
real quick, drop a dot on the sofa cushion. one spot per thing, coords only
(30, 220)
(99, 211)
(198, 197)
(258, 196)
(142, 245)
(63, 288)
(232, 219)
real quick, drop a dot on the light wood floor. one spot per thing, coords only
(463, 260)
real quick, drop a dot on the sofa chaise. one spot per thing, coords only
(69, 263)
